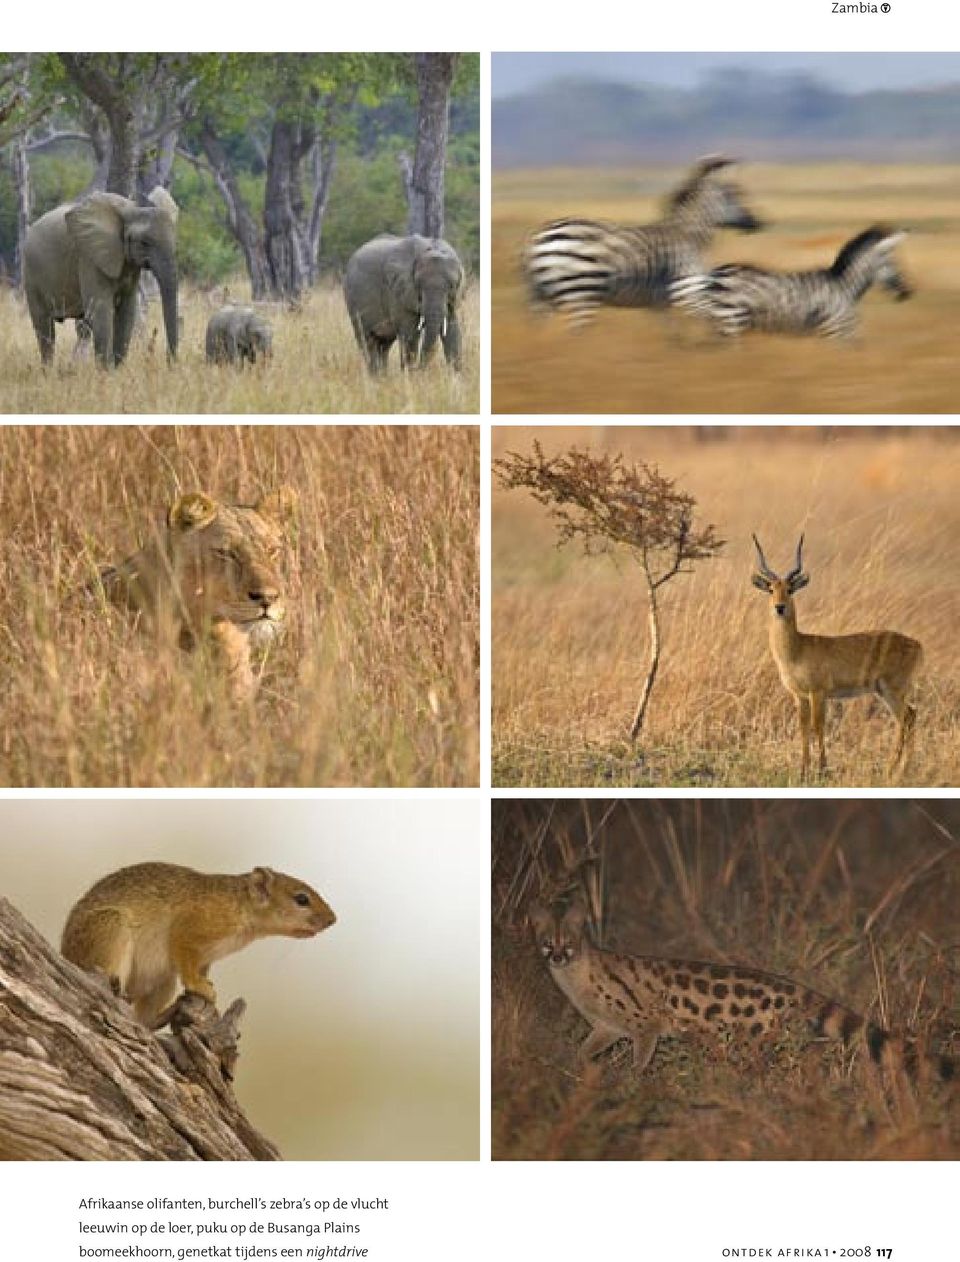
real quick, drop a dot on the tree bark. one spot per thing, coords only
(435, 73)
(239, 218)
(118, 109)
(20, 171)
(80, 1079)
(653, 623)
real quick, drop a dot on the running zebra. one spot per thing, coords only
(578, 265)
(736, 298)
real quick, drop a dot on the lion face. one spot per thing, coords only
(212, 573)
(227, 561)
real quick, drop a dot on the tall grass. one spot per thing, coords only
(882, 522)
(316, 367)
(633, 361)
(855, 899)
(376, 682)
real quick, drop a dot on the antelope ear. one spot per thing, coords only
(96, 228)
(281, 504)
(759, 581)
(796, 583)
(192, 512)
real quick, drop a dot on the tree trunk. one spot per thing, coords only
(284, 241)
(118, 108)
(80, 1079)
(435, 73)
(20, 172)
(239, 219)
(653, 623)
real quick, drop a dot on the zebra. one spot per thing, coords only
(736, 298)
(578, 265)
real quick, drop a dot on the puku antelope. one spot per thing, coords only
(815, 667)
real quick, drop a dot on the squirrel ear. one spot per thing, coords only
(191, 512)
(261, 882)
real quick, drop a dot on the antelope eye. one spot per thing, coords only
(301, 899)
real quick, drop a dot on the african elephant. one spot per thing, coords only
(83, 261)
(406, 288)
(236, 335)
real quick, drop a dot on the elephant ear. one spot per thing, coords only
(192, 512)
(161, 199)
(96, 226)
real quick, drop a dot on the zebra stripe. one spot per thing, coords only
(736, 298)
(578, 265)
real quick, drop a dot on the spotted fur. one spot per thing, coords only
(641, 998)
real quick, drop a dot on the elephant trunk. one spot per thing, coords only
(434, 315)
(166, 274)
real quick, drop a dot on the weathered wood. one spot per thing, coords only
(81, 1079)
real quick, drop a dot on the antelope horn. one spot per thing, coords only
(765, 569)
(798, 563)
(712, 162)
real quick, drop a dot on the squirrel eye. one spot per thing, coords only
(301, 899)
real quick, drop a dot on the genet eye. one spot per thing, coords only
(301, 899)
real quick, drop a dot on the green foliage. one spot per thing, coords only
(206, 251)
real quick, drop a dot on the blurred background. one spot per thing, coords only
(360, 1044)
(831, 143)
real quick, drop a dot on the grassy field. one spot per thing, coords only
(904, 360)
(855, 899)
(316, 367)
(882, 521)
(376, 682)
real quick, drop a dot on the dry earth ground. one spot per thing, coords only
(855, 899)
(376, 682)
(882, 522)
(316, 367)
(904, 361)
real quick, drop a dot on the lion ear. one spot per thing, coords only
(280, 504)
(96, 227)
(191, 512)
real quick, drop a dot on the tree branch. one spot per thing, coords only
(80, 1079)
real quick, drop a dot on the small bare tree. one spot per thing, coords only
(609, 503)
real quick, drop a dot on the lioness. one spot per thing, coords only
(212, 571)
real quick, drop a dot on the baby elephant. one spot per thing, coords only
(238, 334)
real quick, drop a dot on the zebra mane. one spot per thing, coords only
(691, 186)
(858, 244)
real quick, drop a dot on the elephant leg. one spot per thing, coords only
(99, 317)
(124, 319)
(409, 346)
(451, 343)
(44, 327)
(376, 351)
(84, 339)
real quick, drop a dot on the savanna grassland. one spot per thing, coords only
(854, 899)
(903, 361)
(316, 366)
(375, 682)
(881, 512)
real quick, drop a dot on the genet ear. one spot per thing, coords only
(539, 918)
(161, 199)
(96, 226)
(192, 512)
(280, 504)
(759, 581)
(262, 881)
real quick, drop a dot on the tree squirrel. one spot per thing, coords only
(152, 924)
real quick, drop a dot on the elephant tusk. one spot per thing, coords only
(443, 328)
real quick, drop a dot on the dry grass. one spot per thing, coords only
(631, 361)
(855, 899)
(882, 520)
(376, 684)
(316, 367)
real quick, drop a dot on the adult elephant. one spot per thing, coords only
(83, 261)
(405, 288)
